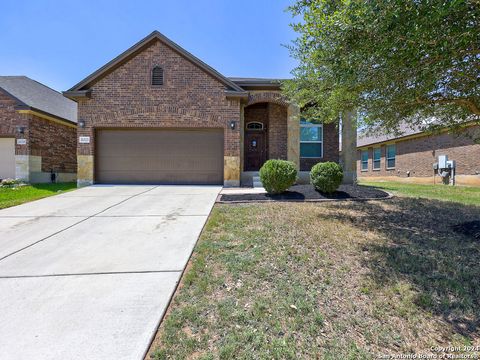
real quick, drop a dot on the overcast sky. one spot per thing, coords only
(60, 42)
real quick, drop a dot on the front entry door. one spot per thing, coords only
(255, 150)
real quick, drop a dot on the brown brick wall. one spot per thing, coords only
(55, 143)
(257, 113)
(189, 98)
(418, 155)
(330, 148)
(277, 131)
(10, 119)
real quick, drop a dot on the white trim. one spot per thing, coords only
(361, 160)
(390, 158)
(310, 125)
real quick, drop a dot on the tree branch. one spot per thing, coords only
(464, 102)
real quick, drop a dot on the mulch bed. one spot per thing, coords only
(308, 193)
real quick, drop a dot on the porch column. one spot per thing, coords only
(349, 147)
(293, 134)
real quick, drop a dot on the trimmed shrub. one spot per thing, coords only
(278, 175)
(326, 177)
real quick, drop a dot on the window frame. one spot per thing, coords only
(163, 76)
(362, 162)
(310, 125)
(379, 159)
(387, 158)
(261, 128)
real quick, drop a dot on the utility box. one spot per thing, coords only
(442, 162)
(451, 164)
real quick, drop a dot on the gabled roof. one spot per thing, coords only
(31, 94)
(138, 47)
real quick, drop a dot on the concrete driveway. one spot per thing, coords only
(88, 274)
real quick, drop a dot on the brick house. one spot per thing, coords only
(411, 156)
(158, 114)
(37, 132)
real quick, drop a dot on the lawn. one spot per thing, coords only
(462, 194)
(340, 280)
(19, 195)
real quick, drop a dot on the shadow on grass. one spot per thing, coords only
(54, 186)
(423, 248)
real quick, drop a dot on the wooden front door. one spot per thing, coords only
(255, 150)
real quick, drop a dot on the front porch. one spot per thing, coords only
(270, 129)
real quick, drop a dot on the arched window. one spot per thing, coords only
(254, 125)
(157, 76)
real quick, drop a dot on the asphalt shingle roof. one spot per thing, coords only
(364, 139)
(40, 97)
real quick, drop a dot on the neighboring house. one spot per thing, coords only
(411, 156)
(158, 114)
(37, 132)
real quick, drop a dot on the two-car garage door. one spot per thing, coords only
(159, 156)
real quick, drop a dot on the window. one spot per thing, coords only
(377, 155)
(391, 152)
(157, 76)
(364, 160)
(311, 138)
(254, 125)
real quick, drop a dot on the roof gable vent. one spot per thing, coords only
(157, 76)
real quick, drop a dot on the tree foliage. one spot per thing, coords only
(392, 60)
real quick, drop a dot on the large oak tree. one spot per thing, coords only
(391, 60)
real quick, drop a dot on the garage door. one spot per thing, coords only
(7, 158)
(159, 156)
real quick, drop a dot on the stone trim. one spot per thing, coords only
(85, 170)
(22, 167)
(231, 170)
(293, 134)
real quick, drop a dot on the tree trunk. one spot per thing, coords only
(349, 147)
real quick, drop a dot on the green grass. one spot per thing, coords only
(467, 195)
(19, 195)
(345, 280)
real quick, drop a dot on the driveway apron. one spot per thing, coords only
(88, 274)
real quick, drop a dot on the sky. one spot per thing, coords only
(59, 43)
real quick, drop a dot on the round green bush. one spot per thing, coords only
(278, 175)
(326, 177)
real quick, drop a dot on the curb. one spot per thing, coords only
(219, 201)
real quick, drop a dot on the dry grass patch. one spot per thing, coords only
(330, 281)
